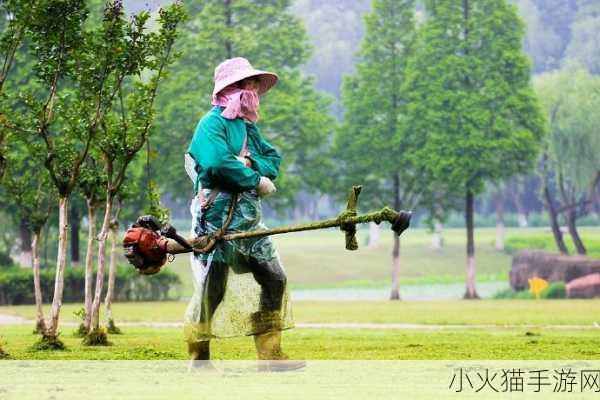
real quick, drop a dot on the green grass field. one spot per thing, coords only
(545, 329)
(330, 344)
(484, 312)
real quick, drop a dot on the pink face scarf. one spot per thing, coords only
(238, 103)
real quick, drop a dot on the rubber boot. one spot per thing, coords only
(270, 356)
(199, 353)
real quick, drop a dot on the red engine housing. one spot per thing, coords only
(145, 249)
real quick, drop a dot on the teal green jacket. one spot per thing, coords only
(217, 141)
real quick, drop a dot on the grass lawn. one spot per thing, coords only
(513, 342)
(330, 344)
(459, 312)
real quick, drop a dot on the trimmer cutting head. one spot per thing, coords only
(402, 222)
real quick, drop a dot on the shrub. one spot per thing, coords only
(5, 260)
(16, 285)
(555, 290)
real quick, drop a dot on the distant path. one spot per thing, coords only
(16, 320)
(13, 320)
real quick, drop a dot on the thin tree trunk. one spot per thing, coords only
(571, 214)
(572, 226)
(61, 260)
(101, 263)
(74, 235)
(596, 199)
(522, 220)
(89, 263)
(471, 292)
(26, 257)
(500, 231)
(437, 239)
(46, 246)
(395, 292)
(110, 290)
(374, 235)
(556, 232)
(40, 325)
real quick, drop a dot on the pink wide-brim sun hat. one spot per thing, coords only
(236, 69)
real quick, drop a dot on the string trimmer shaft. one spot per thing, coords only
(172, 243)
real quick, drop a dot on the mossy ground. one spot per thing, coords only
(97, 337)
(47, 343)
(112, 328)
(3, 355)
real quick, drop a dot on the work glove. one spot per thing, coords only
(265, 187)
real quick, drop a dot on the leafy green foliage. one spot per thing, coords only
(128, 125)
(92, 182)
(29, 199)
(571, 98)
(372, 144)
(155, 208)
(470, 102)
(555, 290)
(510, 294)
(14, 21)
(469, 95)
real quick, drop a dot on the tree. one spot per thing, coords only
(57, 38)
(112, 270)
(92, 184)
(470, 100)
(79, 68)
(31, 200)
(571, 158)
(143, 59)
(293, 116)
(372, 144)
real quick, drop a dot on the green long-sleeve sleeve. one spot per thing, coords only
(265, 158)
(214, 147)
